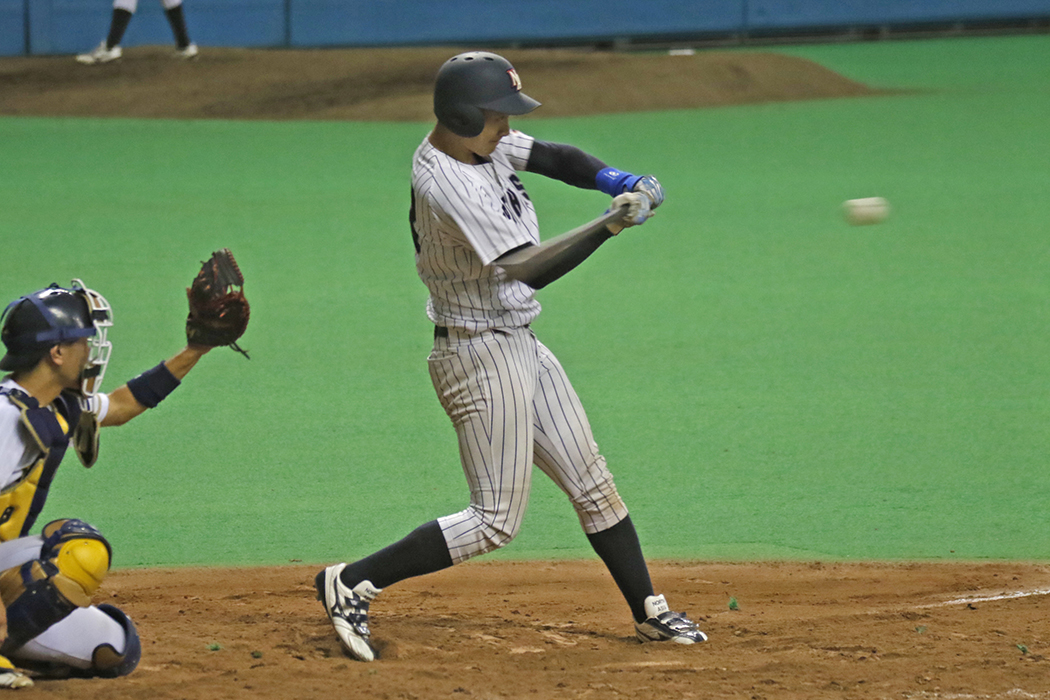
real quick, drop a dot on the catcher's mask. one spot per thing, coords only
(476, 80)
(31, 325)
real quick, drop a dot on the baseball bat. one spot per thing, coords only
(613, 216)
(556, 245)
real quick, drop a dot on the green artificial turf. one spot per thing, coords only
(765, 380)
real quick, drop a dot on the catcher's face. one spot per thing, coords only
(497, 125)
(70, 360)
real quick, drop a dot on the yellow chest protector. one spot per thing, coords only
(22, 501)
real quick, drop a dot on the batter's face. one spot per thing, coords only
(497, 125)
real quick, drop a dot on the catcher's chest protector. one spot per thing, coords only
(21, 503)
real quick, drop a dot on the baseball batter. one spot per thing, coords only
(57, 353)
(478, 251)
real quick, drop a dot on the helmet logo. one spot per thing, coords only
(514, 79)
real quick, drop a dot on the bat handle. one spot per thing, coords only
(613, 219)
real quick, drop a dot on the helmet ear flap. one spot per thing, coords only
(461, 119)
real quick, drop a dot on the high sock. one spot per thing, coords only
(178, 26)
(422, 551)
(117, 25)
(619, 548)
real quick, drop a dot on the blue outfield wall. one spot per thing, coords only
(338, 22)
(803, 14)
(68, 26)
(12, 27)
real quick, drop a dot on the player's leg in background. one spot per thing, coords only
(123, 9)
(177, 19)
(118, 23)
(109, 50)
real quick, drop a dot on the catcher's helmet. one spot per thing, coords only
(33, 324)
(476, 80)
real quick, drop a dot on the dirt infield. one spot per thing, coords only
(395, 84)
(561, 630)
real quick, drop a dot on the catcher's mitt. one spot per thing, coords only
(218, 308)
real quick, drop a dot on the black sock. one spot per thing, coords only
(422, 551)
(178, 26)
(117, 26)
(622, 553)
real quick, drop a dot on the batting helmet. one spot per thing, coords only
(476, 80)
(33, 324)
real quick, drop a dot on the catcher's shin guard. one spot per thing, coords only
(106, 662)
(106, 645)
(74, 559)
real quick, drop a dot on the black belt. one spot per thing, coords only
(442, 331)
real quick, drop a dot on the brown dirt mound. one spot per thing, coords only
(395, 84)
(561, 630)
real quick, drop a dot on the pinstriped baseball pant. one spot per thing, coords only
(512, 406)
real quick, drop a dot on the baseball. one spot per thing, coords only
(868, 210)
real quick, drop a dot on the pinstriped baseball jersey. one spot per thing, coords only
(464, 217)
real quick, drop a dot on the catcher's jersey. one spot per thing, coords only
(464, 217)
(18, 449)
(33, 440)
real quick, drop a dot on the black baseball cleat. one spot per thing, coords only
(347, 608)
(664, 625)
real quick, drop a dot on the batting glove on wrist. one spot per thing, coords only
(638, 210)
(651, 188)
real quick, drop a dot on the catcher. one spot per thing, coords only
(57, 355)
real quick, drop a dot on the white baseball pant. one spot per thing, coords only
(512, 406)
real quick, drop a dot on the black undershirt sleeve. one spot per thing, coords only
(538, 266)
(564, 162)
